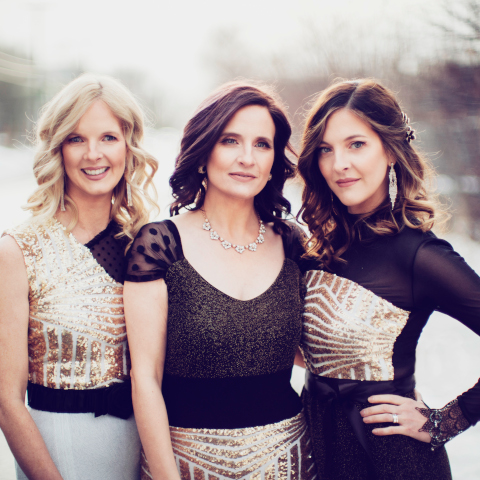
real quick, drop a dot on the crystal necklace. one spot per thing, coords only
(226, 244)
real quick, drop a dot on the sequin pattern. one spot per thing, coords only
(348, 332)
(280, 451)
(77, 335)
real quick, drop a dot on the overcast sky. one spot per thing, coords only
(170, 39)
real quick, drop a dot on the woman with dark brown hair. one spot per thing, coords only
(375, 272)
(214, 319)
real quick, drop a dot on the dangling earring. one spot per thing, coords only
(62, 196)
(392, 185)
(269, 177)
(129, 195)
(202, 170)
(62, 203)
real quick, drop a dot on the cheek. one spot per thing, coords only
(68, 158)
(324, 170)
(216, 162)
(270, 161)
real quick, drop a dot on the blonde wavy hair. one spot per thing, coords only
(58, 119)
(331, 228)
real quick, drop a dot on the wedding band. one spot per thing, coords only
(395, 418)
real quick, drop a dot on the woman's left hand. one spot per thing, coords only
(409, 420)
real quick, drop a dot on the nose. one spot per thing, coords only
(341, 161)
(246, 157)
(93, 152)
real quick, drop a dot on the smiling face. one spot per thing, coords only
(241, 160)
(353, 162)
(94, 154)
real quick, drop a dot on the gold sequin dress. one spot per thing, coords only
(226, 383)
(78, 353)
(361, 324)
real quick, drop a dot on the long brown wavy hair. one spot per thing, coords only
(58, 119)
(332, 229)
(203, 131)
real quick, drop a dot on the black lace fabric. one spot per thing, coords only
(443, 424)
(109, 251)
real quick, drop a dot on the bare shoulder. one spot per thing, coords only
(12, 266)
(185, 222)
(10, 252)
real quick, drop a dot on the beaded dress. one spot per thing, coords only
(232, 411)
(78, 354)
(361, 324)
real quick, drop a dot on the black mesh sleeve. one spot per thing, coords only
(444, 281)
(157, 246)
(294, 242)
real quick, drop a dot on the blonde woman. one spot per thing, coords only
(62, 329)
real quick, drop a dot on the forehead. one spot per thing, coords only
(98, 114)
(344, 123)
(252, 118)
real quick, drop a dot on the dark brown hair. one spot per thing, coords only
(327, 218)
(203, 131)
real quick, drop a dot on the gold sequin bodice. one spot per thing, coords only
(348, 332)
(76, 335)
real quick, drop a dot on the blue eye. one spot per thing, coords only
(358, 144)
(323, 150)
(110, 138)
(229, 141)
(263, 145)
(74, 140)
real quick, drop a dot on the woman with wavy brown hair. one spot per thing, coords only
(213, 302)
(375, 272)
(62, 328)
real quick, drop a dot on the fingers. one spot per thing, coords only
(398, 430)
(377, 409)
(393, 399)
(382, 418)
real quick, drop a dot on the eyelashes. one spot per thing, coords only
(233, 141)
(78, 139)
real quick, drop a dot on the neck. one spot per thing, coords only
(93, 217)
(232, 218)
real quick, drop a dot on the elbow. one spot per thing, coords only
(9, 408)
(142, 384)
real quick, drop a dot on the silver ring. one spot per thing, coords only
(394, 418)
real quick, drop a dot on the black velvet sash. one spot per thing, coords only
(347, 392)
(235, 402)
(115, 400)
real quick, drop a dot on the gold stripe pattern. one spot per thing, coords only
(348, 332)
(77, 336)
(280, 451)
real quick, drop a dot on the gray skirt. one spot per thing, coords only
(84, 447)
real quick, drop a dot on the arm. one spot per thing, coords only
(299, 361)
(442, 281)
(20, 430)
(146, 307)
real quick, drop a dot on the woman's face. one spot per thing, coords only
(94, 154)
(241, 160)
(353, 162)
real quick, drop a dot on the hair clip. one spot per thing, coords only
(410, 134)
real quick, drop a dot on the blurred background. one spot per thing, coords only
(172, 54)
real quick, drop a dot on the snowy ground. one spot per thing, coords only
(448, 355)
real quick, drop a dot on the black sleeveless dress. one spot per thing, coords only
(226, 384)
(361, 324)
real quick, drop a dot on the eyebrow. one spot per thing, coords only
(108, 132)
(233, 134)
(350, 137)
